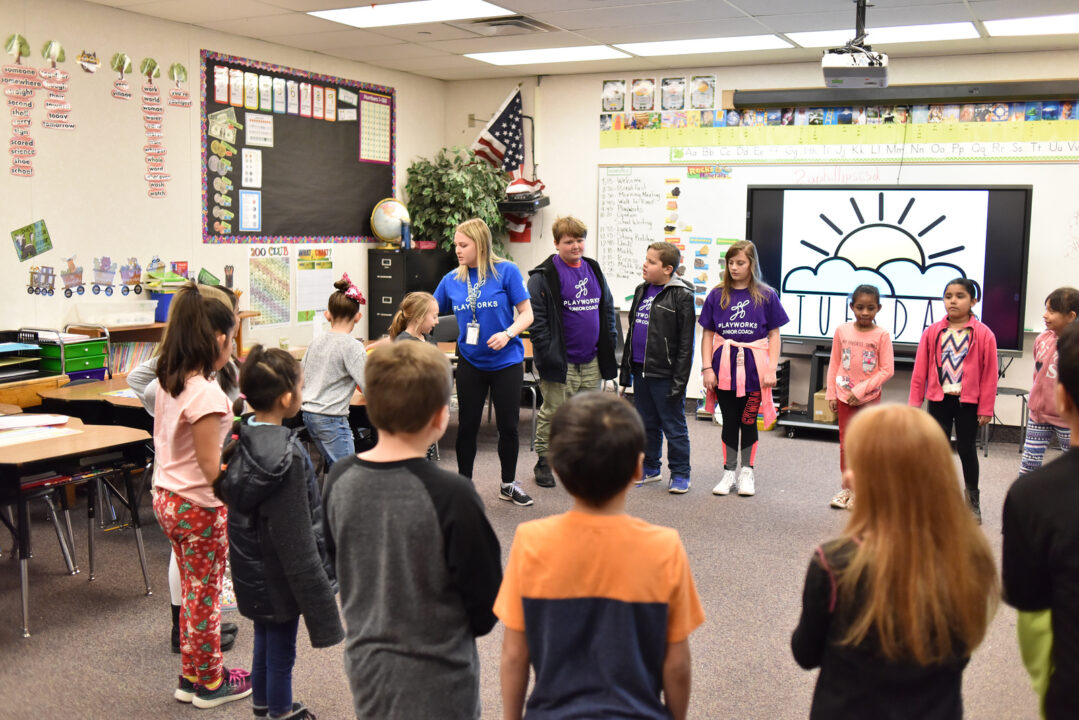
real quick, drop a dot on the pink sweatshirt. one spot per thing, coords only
(1043, 407)
(979, 367)
(861, 362)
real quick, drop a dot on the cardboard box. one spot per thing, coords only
(821, 411)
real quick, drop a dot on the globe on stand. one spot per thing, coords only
(388, 221)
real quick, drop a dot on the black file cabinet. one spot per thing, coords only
(392, 274)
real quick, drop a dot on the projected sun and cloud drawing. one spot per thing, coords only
(908, 243)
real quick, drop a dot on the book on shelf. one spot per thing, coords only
(126, 356)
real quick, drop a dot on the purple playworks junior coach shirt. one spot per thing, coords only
(640, 322)
(581, 294)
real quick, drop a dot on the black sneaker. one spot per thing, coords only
(515, 495)
(228, 639)
(542, 471)
(235, 685)
(299, 712)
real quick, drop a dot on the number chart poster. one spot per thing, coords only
(907, 243)
(269, 280)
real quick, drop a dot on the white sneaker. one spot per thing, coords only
(745, 482)
(723, 487)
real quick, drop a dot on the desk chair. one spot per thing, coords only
(1023, 417)
(447, 329)
(49, 495)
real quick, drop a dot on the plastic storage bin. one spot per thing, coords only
(113, 313)
(161, 303)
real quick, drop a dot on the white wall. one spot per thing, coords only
(568, 153)
(88, 185)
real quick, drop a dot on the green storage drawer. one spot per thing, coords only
(73, 350)
(92, 362)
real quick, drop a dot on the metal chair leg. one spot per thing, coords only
(64, 549)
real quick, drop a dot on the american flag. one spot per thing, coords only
(501, 144)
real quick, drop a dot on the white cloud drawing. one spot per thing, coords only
(912, 281)
(834, 276)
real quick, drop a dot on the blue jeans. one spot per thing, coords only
(332, 435)
(662, 416)
(271, 666)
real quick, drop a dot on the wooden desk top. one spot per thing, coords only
(92, 392)
(6, 409)
(92, 438)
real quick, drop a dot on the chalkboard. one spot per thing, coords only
(291, 156)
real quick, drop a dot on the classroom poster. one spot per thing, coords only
(614, 96)
(314, 281)
(269, 279)
(31, 241)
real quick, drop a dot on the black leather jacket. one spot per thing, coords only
(668, 350)
(280, 568)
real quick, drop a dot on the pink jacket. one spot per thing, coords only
(1043, 408)
(869, 364)
(979, 367)
(763, 362)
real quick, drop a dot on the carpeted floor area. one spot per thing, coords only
(100, 650)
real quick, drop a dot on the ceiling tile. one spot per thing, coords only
(402, 51)
(1007, 9)
(292, 23)
(531, 7)
(312, 5)
(674, 31)
(882, 17)
(686, 11)
(426, 32)
(513, 42)
(325, 41)
(200, 11)
(120, 3)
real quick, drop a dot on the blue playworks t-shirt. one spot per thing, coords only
(495, 300)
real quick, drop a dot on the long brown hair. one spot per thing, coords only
(190, 339)
(415, 304)
(922, 568)
(756, 285)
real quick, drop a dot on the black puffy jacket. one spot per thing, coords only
(279, 565)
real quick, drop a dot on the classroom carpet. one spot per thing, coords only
(101, 649)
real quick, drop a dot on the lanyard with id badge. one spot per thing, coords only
(472, 332)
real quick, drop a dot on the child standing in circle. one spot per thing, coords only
(416, 318)
(333, 368)
(891, 612)
(740, 348)
(191, 418)
(956, 370)
(1060, 310)
(861, 362)
(274, 506)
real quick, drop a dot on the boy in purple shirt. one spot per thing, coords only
(657, 361)
(573, 332)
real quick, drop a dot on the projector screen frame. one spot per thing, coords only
(771, 261)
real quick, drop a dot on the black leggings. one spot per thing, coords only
(505, 388)
(739, 415)
(965, 416)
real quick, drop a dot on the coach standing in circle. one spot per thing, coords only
(483, 293)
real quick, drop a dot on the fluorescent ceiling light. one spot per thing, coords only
(705, 45)
(411, 13)
(887, 35)
(1047, 25)
(548, 55)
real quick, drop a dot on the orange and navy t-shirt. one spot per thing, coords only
(599, 597)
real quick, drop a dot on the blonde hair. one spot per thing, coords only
(756, 285)
(922, 567)
(477, 231)
(414, 305)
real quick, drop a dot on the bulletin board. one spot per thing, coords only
(291, 156)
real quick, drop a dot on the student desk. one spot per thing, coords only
(69, 459)
(89, 402)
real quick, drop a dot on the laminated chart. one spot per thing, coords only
(269, 282)
(374, 128)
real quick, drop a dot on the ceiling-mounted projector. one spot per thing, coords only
(854, 67)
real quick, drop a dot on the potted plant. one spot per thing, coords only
(450, 188)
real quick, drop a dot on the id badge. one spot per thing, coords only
(472, 334)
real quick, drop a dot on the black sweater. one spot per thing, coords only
(274, 505)
(857, 682)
